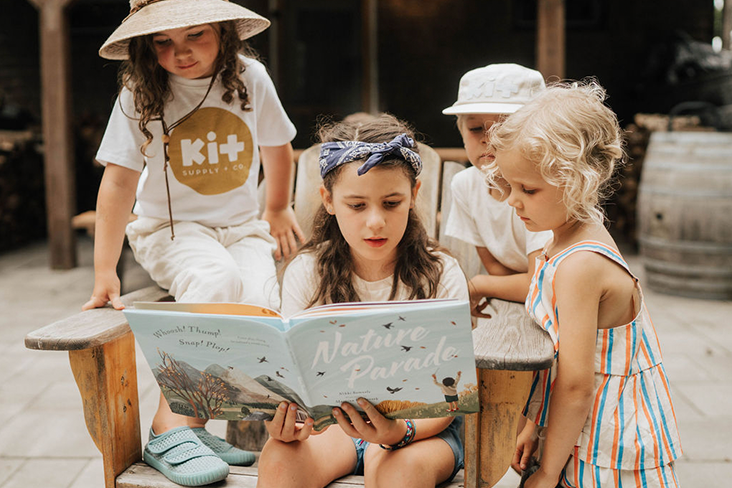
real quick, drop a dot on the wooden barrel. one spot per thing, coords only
(685, 214)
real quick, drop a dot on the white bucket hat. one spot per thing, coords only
(496, 89)
(151, 16)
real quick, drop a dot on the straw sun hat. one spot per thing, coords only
(150, 16)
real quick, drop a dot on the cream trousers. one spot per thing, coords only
(204, 264)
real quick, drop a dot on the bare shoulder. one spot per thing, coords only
(586, 267)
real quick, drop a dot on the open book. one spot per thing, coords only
(238, 361)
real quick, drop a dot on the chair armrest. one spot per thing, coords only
(90, 328)
(511, 340)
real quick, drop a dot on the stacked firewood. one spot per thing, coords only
(22, 196)
(621, 207)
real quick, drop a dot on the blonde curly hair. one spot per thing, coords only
(574, 139)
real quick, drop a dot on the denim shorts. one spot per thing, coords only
(451, 435)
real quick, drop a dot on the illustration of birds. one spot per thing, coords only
(392, 390)
(278, 374)
(333, 321)
(282, 367)
(321, 373)
(402, 319)
(453, 323)
(388, 326)
(342, 325)
(407, 348)
(263, 359)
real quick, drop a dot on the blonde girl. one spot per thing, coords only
(368, 245)
(183, 144)
(604, 409)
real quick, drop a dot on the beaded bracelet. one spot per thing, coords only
(408, 437)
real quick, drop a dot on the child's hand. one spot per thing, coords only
(526, 444)
(283, 427)
(284, 228)
(477, 309)
(478, 301)
(379, 429)
(106, 289)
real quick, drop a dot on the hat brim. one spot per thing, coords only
(483, 108)
(173, 14)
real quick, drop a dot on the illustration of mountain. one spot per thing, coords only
(245, 389)
(241, 388)
(275, 386)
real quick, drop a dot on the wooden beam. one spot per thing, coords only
(57, 139)
(726, 25)
(550, 38)
(369, 57)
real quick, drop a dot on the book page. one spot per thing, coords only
(388, 354)
(217, 366)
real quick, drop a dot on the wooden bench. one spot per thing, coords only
(508, 348)
(102, 355)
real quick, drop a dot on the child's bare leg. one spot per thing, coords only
(312, 463)
(165, 419)
(422, 464)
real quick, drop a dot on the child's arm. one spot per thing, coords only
(512, 287)
(579, 289)
(381, 430)
(491, 264)
(278, 175)
(114, 203)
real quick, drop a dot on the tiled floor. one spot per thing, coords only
(43, 439)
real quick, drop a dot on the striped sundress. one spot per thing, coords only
(630, 437)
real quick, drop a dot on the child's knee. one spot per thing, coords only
(278, 464)
(217, 282)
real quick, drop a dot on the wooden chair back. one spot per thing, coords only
(464, 252)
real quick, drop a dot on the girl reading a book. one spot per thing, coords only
(368, 244)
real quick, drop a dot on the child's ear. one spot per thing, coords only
(415, 190)
(327, 198)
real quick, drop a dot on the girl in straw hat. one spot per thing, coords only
(184, 141)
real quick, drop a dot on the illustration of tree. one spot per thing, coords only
(205, 394)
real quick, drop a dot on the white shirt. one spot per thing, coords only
(301, 280)
(479, 219)
(214, 154)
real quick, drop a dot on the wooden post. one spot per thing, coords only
(369, 57)
(550, 45)
(107, 379)
(726, 25)
(57, 140)
(490, 436)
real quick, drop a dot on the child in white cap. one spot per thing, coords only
(183, 144)
(478, 215)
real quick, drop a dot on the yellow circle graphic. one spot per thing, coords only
(211, 152)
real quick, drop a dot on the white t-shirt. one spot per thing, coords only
(214, 154)
(479, 219)
(301, 279)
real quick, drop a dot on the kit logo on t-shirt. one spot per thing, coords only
(211, 152)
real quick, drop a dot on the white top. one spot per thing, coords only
(479, 219)
(301, 280)
(214, 154)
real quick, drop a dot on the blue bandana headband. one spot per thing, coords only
(333, 154)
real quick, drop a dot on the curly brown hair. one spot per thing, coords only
(418, 265)
(148, 81)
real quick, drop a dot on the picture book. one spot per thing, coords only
(411, 359)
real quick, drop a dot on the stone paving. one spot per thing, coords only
(44, 442)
